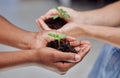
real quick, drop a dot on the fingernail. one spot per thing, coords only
(77, 48)
(77, 57)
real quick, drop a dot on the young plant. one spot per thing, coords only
(57, 37)
(62, 13)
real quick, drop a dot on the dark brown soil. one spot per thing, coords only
(55, 23)
(64, 46)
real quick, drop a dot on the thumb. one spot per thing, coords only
(68, 57)
(43, 25)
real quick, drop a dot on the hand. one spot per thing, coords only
(52, 59)
(76, 17)
(41, 39)
(71, 29)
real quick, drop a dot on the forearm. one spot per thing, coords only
(14, 36)
(108, 16)
(10, 59)
(107, 34)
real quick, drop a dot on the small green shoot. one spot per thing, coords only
(57, 36)
(62, 13)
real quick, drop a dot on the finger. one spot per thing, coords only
(84, 51)
(75, 43)
(48, 38)
(38, 25)
(69, 38)
(52, 12)
(83, 46)
(84, 42)
(69, 57)
(43, 25)
(77, 49)
(44, 17)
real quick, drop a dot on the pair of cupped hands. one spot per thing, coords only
(52, 59)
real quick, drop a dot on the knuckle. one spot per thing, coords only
(54, 56)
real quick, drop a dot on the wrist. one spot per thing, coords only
(87, 17)
(78, 30)
(88, 30)
(32, 55)
(29, 40)
(29, 56)
(81, 17)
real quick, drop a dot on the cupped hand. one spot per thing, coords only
(52, 59)
(71, 29)
(75, 16)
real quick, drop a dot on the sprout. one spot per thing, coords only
(62, 13)
(57, 37)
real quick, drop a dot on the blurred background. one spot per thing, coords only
(23, 14)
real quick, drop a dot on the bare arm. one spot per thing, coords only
(9, 59)
(107, 34)
(14, 36)
(106, 16)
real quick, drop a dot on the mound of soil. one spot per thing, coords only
(55, 23)
(64, 46)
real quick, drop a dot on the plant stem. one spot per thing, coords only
(58, 44)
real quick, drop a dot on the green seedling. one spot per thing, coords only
(62, 13)
(57, 37)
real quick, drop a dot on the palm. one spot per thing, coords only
(42, 38)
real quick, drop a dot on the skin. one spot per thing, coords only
(34, 50)
(97, 24)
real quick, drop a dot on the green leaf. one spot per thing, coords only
(62, 11)
(57, 9)
(56, 36)
(56, 16)
(51, 34)
(62, 36)
(66, 16)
